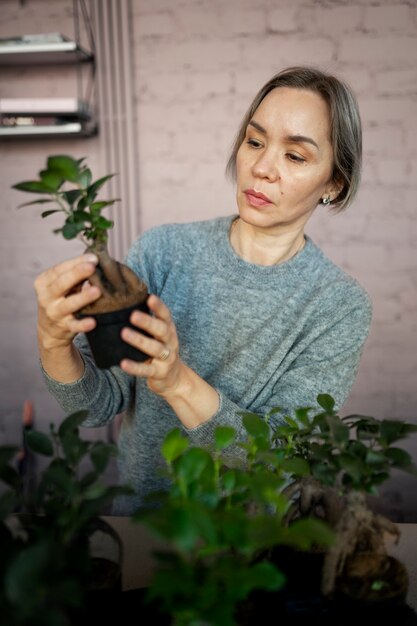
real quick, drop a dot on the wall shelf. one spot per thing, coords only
(45, 117)
(69, 129)
(39, 117)
(49, 49)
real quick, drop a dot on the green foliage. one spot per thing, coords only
(217, 521)
(353, 452)
(46, 562)
(68, 183)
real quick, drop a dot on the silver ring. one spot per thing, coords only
(164, 354)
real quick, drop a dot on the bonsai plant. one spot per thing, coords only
(347, 458)
(67, 183)
(49, 573)
(216, 521)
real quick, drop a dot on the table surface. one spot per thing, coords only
(138, 562)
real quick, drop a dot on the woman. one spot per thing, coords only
(248, 314)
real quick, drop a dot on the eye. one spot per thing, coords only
(295, 158)
(254, 143)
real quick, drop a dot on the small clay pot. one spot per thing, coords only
(107, 346)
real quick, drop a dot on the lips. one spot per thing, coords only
(256, 198)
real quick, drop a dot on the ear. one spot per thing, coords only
(333, 188)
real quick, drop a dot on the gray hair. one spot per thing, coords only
(345, 125)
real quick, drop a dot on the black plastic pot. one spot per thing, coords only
(107, 346)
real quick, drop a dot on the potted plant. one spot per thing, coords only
(49, 572)
(215, 523)
(346, 459)
(67, 183)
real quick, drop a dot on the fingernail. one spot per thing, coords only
(136, 317)
(91, 258)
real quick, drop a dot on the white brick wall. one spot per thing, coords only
(197, 64)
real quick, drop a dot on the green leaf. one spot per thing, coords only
(301, 415)
(59, 476)
(96, 207)
(7, 453)
(192, 464)
(393, 430)
(297, 466)
(174, 445)
(373, 457)
(39, 201)
(85, 178)
(46, 213)
(339, 432)
(265, 575)
(353, 466)
(71, 423)
(72, 229)
(100, 455)
(51, 179)
(307, 531)
(82, 216)
(10, 476)
(74, 447)
(325, 474)
(39, 443)
(326, 402)
(291, 422)
(224, 436)
(102, 222)
(398, 457)
(229, 480)
(255, 425)
(93, 189)
(71, 196)
(33, 186)
(95, 491)
(65, 166)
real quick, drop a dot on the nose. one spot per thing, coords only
(266, 166)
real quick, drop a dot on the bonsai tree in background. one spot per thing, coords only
(216, 521)
(67, 184)
(346, 459)
(46, 566)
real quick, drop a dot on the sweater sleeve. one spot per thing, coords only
(328, 364)
(104, 393)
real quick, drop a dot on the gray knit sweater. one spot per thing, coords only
(263, 336)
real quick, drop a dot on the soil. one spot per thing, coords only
(120, 287)
(133, 291)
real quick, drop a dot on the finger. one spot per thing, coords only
(159, 308)
(75, 302)
(65, 276)
(152, 325)
(148, 345)
(144, 369)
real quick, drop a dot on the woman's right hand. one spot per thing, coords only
(58, 301)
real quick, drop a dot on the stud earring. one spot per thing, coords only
(326, 200)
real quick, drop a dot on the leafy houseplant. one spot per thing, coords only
(47, 564)
(67, 184)
(216, 521)
(348, 458)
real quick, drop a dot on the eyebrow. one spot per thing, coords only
(293, 138)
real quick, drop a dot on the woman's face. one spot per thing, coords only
(285, 162)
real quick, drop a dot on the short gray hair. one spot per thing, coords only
(345, 125)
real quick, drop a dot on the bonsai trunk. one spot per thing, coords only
(119, 285)
(358, 531)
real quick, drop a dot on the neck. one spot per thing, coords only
(262, 247)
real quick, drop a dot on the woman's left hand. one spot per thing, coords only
(163, 367)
